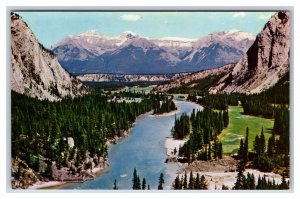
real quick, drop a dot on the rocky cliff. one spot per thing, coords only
(266, 61)
(34, 69)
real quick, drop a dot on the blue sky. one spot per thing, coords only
(51, 27)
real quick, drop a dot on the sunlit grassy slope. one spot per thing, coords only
(230, 137)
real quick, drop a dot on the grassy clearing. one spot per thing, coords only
(230, 137)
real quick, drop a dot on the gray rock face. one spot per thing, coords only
(265, 62)
(34, 70)
(129, 53)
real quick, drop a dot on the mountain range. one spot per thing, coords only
(129, 53)
(36, 71)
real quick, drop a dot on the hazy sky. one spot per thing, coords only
(51, 27)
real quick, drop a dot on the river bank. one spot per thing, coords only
(95, 172)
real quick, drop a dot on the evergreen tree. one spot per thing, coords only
(144, 184)
(252, 182)
(197, 182)
(136, 180)
(209, 151)
(177, 183)
(191, 181)
(245, 151)
(256, 145)
(161, 181)
(271, 145)
(203, 184)
(225, 118)
(138, 183)
(240, 179)
(241, 149)
(184, 185)
(220, 154)
(262, 142)
(115, 185)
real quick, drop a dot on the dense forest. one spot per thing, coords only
(266, 156)
(73, 128)
(202, 127)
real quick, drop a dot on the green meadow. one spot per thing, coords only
(236, 130)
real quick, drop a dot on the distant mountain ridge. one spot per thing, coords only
(35, 71)
(129, 53)
(129, 78)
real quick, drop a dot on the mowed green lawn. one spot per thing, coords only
(230, 137)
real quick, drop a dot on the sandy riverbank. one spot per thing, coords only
(171, 143)
(47, 185)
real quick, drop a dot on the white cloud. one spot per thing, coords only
(131, 17)
(264, 16)
(239, 14)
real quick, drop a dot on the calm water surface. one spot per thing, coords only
(144, 150)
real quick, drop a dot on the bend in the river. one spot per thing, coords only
(144, 150)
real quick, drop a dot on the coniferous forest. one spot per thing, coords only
(202, 127)
(40, 129)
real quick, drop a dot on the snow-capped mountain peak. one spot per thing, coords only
(128, 35)
(91, 33)
(239, 35)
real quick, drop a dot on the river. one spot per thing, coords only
(144, 150)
